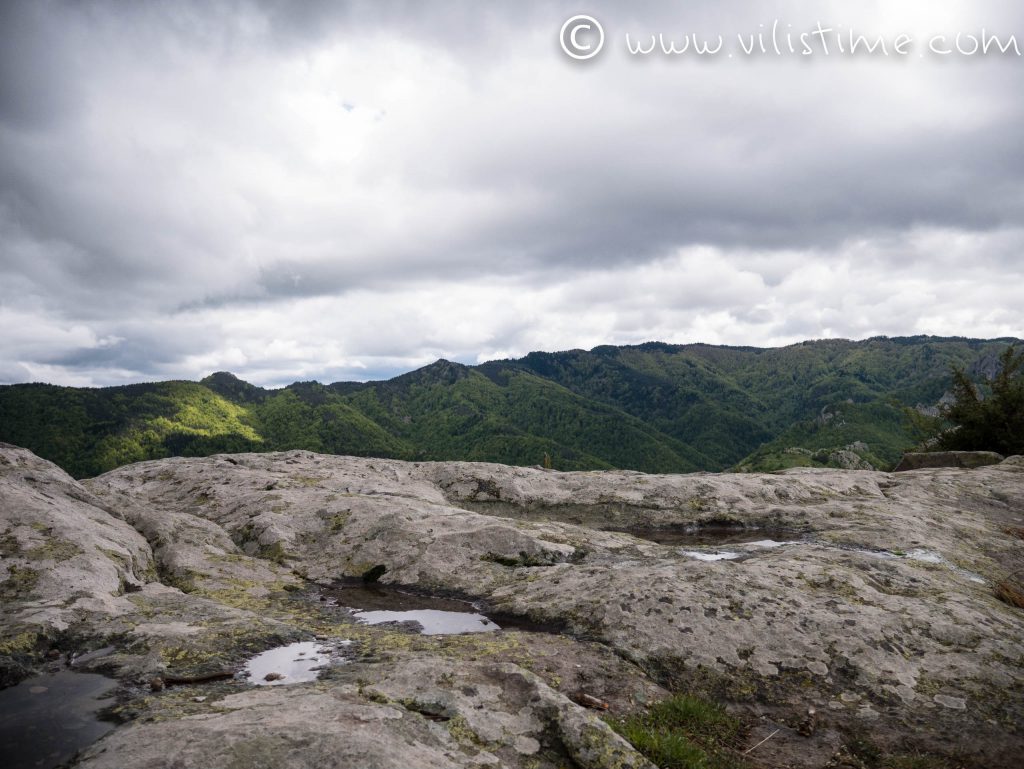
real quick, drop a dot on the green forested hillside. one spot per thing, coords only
(653, 407)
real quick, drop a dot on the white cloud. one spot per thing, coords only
(361, 188)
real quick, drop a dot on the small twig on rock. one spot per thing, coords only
(762, 742)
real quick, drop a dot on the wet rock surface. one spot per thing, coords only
(188, 568)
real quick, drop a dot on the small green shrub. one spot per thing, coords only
(665, 748)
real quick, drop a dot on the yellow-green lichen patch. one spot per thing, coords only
(175, 702)
(19, 583)
(9, 546)
(219, 648)
(252, 595)
(337, 521)
(53, 550)
(185, 582)
(306, 481)
(462, 733)
(123, 560)
(275, 552)
(22, 643)
(596, 747)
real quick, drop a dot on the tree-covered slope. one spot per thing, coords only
(450, 411)
(677, 394)
(729, 402)
(653, 407)
(88, 431)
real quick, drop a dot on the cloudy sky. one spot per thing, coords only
(348, 190)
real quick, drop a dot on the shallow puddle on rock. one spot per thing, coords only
(724, 556)
(432, 621)
(291, 664)
(377, 604)
(46, 719)
(704, 536)
(745, 548)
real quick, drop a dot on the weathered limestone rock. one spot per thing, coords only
(422, 711)
(505, 708)
(285, 728)
(74, 568)
(962, 459)
(875, 606)
(64, 557)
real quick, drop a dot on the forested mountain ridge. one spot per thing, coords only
(654, 407)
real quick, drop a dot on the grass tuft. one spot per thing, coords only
(684, 732)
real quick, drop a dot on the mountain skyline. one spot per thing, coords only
(654, 407)
(469, 363)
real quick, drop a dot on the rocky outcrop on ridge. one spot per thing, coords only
(969, 459)
(868, 610)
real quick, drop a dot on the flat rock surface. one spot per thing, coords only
(877, 609)
(494, 715)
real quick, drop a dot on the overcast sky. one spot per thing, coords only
(350, 190)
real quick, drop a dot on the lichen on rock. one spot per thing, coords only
(880, 614)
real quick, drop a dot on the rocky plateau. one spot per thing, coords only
(873, 624)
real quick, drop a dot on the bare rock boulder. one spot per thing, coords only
(962, 459)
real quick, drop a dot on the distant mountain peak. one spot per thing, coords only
(225, 377)
(228, 385)
(440, 371)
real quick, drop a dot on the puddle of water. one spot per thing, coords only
(46, 719)
(710, 535)
(746, 547)
(432, 621)
(374, 604)
(771, 543)
(291, 664)
(726, 556)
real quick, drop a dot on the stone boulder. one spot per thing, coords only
(962, 459)
(65, 556)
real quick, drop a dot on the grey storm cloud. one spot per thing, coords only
(348, 189)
